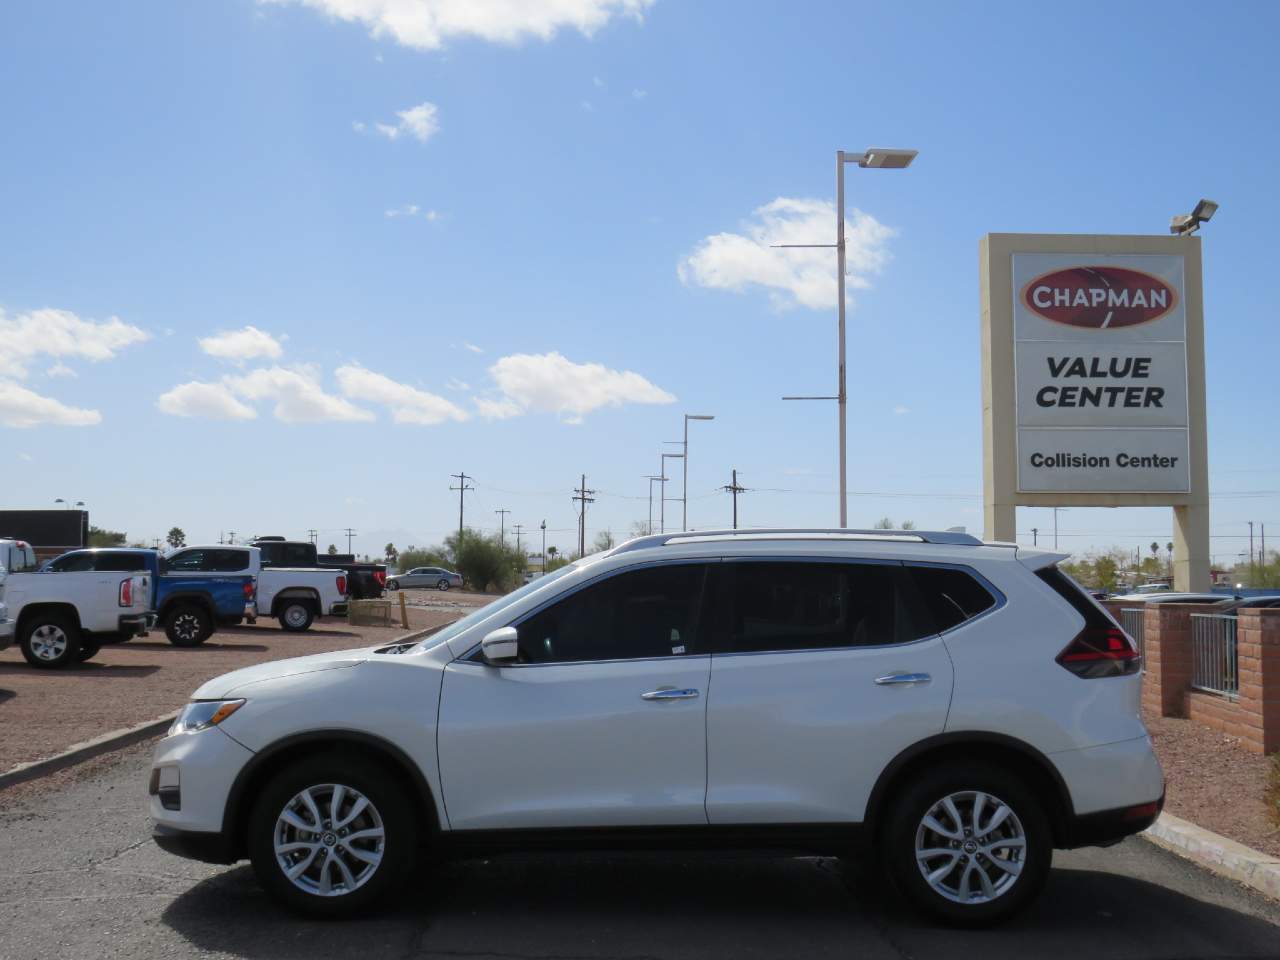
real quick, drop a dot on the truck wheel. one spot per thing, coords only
(88, 650)
(50, 641)
(188, 625)
(296, 616)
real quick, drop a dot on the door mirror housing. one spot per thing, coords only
(500, 646)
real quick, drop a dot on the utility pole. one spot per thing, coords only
(1035, 536)
(502, 525)
(583, 496)
(544, 548)
(1252, 575)
(462, 489)
(1262, 548)
(735, 490)
(312, 534)
(231, 539)
(662, 512)
(517, 527)
(350, 533)
(220, 537)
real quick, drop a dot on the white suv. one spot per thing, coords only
(954, 709)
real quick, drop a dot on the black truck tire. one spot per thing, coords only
(188, 625)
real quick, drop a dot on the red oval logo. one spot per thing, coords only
(1099, 297)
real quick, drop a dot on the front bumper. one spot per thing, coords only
(194, 844)
(191, 778)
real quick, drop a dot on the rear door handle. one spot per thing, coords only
(903, 678)
(685, 694)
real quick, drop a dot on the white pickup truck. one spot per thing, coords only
(57, 620)
(293, 596)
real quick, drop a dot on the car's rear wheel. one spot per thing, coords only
(50, 641)
(443, 584)
(296, 616)
(968, 844)
(393, 584)
(331, 838)
(188, 626)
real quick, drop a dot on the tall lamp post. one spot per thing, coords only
(662, 513)
(684, 493)
(651, 478)
(874, 159)
(544, 548)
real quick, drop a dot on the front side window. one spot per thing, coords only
(801, 605)
(651, 612)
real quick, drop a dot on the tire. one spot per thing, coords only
(296, 615)
(388, 811)
(88, 650)
(393, 584)
(50, 641)
(959, 897)
(442, 584)
(188, 625)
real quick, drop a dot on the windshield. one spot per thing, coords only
(447, 633)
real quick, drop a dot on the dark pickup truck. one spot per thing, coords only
(365, 581)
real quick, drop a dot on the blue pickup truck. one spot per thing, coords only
(192, 596)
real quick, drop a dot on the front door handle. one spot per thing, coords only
(903, 678)
(685, 694)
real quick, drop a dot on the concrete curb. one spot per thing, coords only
(85, 751)
(1217, 853)
(118, 739)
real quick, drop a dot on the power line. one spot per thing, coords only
(350, 533)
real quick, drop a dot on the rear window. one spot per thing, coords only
(950, 595)
(121, 562)
(1073, 593)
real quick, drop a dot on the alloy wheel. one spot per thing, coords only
(329, 840)
(48, 642)
(971, 847)
(187, 626)
(295, 616)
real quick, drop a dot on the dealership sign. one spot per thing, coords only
(1100, 363)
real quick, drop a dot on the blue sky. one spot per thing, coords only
(524, 248)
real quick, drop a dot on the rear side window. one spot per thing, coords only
(798, 605)
(121, 562)
(951, 596)
(210, 560)
(1073, 593)
(72, 563)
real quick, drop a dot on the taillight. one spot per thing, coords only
(250, 588)
(342, 585)
(126, 593)
(381, 577)
(1100, 652)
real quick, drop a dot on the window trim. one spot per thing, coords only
(999, 596)
(474, 654)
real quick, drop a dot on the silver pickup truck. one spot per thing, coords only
(58, 621)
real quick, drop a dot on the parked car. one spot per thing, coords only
(206, 588)
(365, 581)
(437, 577)
(1234, 606)
(293, 596)
(959, 709)
(59, 621)
(1172, 597)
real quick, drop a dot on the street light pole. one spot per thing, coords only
(662, 512)
(684, 494)
(544, 548)
(651, 478)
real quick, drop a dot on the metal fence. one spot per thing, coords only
(1131, 620)
(1215, 664)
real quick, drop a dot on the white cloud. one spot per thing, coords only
(453, 383)
(247, 343)
(20, 407)
(60, 369)
(358, 126)
(60, 333)
(208, 401)
(297, 394)
(473, 348)
(900, 409)
(25, 456)
(597, 83)
(804, 277)
(552, 383)
(412, 210)
(638, 94)
(408, 404)
(420, 122)
(429, 24)
(295, 391)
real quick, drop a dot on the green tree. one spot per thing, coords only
(176, 538)
(333, 550)
(99, 537)
(390, 552)
(884, 523)
(603, 541)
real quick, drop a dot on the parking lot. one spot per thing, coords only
(82, 879)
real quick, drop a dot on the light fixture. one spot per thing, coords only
(1185, 224)
(882, 159)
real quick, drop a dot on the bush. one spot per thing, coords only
(1271, 794)
(486, 563)
(418, 557)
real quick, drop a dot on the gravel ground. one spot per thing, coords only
(43, 712)
(1213, 781)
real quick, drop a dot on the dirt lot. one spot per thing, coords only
(43, 712)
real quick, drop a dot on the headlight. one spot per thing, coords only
(200, 714)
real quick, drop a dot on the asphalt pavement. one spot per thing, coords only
(81, 879)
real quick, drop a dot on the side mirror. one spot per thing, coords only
(500, 646)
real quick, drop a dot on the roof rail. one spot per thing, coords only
(800, 533)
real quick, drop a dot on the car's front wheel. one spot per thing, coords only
(331, 837)
(968, 844)
(393, 584)
(443, 584)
